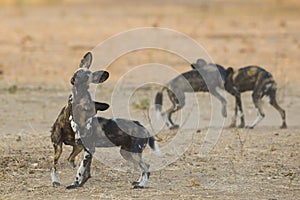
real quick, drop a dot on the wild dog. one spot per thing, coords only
(94, 132)
(196, 80)
(262, 83)
(63, 133)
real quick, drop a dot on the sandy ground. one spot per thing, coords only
(42, 44)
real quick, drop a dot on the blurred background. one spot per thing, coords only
(42, 41)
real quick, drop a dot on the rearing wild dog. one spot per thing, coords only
(94, 132)
(258, 80)
(196, 80)
(63, 133)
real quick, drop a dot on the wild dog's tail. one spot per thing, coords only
(159, 99)
(153, 144)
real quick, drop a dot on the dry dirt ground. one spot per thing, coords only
(41, 45)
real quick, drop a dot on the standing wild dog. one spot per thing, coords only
(62, 132)
(94, 132)
(196, 80)
(258, 80)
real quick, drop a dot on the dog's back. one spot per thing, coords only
(192, 81)
(246, 78)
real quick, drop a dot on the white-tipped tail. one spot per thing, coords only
(156, 149)
(153, 144)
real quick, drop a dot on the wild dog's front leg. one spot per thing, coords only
(239, 104)
(178, 101)
(142, 182)
(136, 159)
(233, 121)
(83, 172)
(57, 154)
(77, 148)
(145, 174)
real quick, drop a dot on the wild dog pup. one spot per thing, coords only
(196, 80)
(94, 132)
(261, 82)
(62, 132)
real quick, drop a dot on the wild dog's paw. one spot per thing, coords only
(135, 183)
(249, 127)
(73, 185)
(137, 186)
(55, 184)
(283, 126)
(242, 126)
(175, 126)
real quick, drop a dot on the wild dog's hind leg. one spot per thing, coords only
(222, 99)
(136, 159)
(83, 172)
(238, 107)
(76, 150)
(57, 154)
(176, 105)
(233, 121)
(273, 102)
(56, 139)
(257, 100)
(239, 104)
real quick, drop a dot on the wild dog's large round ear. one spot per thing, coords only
(201, 62)
(101, 106)
(229, 70)
(193, 66)
(99, 76)
(86, 61)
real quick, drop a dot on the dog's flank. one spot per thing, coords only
(202, 78)
(94, 132)
(262, 83)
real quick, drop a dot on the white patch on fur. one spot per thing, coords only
(267, 87)
(241, 114)
(73, 124)
(81, 169)
(165, 117)
(77, 135)
(53, 176)
(89, 123)
(156, 148)
(258, 119)
(143, 180)
(71, 98)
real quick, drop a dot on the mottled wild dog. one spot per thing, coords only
(204, 77)
(258, 80)
(63, 133)
(94, 132)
